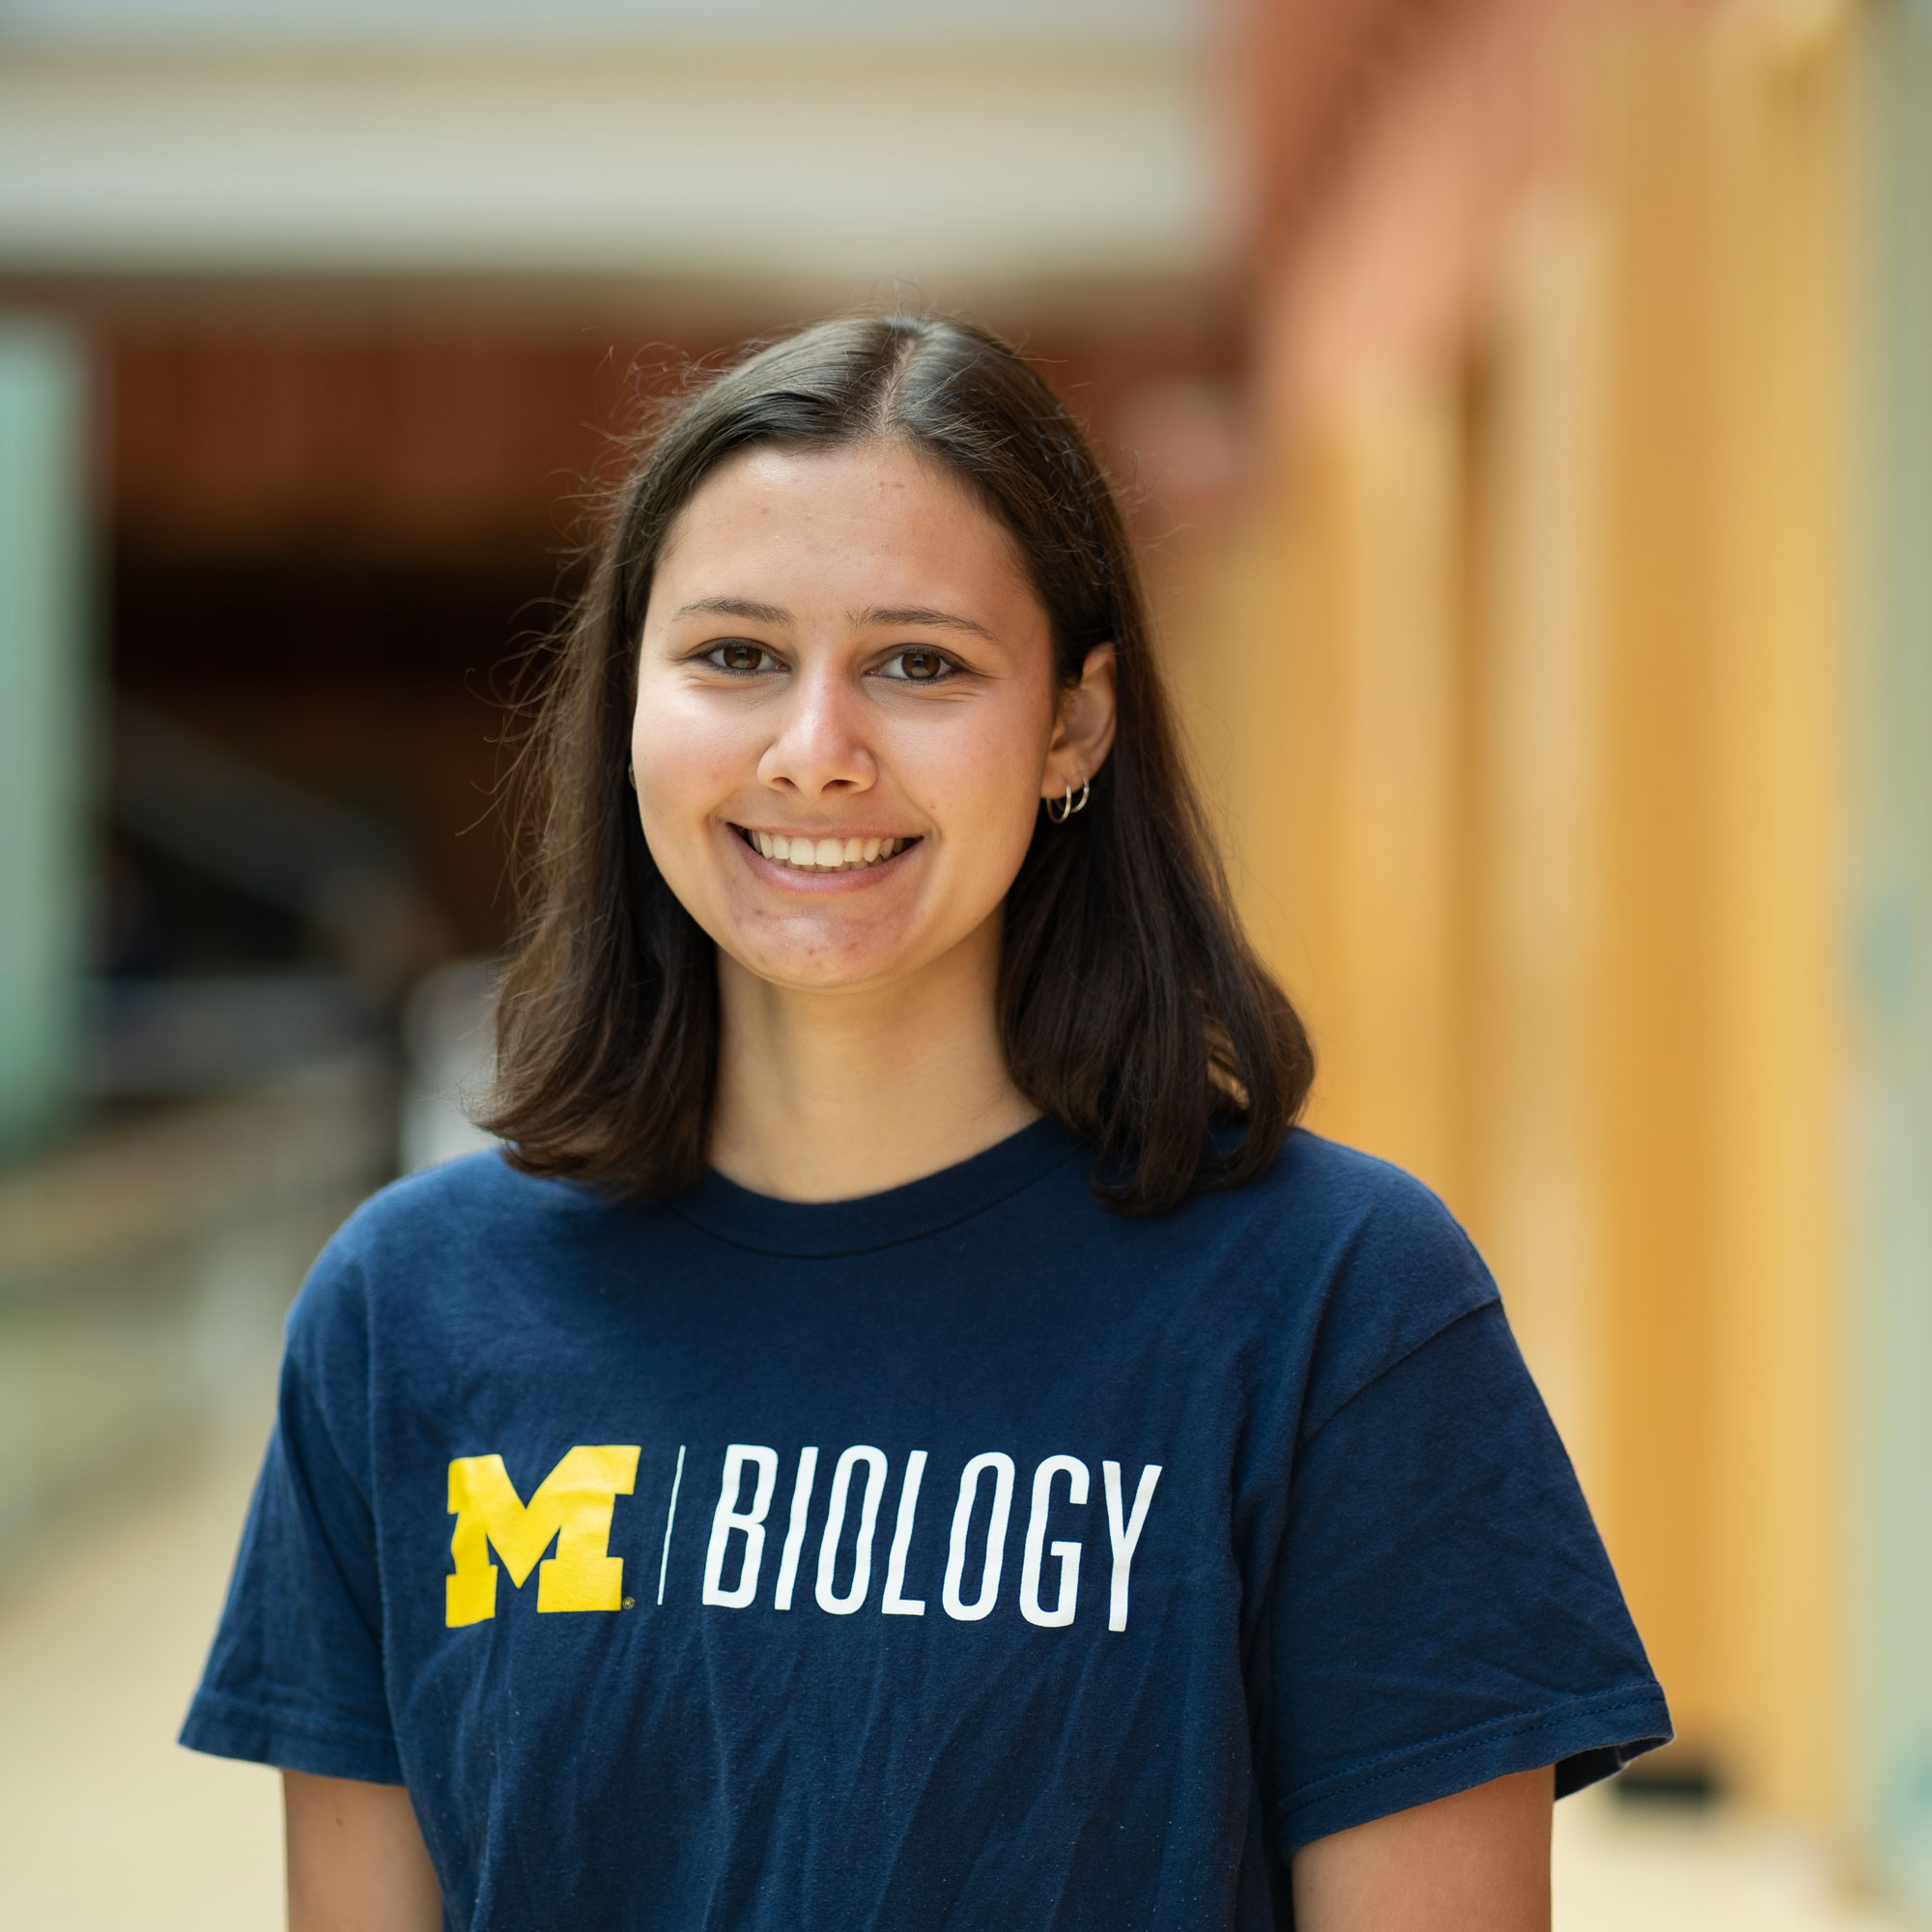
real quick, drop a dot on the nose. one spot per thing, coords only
(820, 746)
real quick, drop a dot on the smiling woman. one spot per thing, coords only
(872, 584)
(841, 793)
(890, 1098)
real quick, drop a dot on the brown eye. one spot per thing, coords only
(738, 655)
(918, 666)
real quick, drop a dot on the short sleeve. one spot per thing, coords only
(295, 1678)
(1443, 1612)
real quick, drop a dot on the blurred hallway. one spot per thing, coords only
(110, 1823)
(1526, 416)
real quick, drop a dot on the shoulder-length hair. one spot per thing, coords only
(1131, 1006)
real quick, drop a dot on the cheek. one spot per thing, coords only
(685, 764)
(982, 792)
(685, 769)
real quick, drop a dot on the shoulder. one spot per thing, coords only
(478, 1190)
(1323, 1200)
(1323, 1175)
(422, 1237)
(1384, 1261)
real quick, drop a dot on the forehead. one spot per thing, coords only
(851, 515)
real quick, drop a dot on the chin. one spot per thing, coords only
(815, 974)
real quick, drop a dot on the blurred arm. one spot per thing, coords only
(1477, 1862)
(357, 1861)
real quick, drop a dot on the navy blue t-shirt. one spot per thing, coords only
(966, 1555)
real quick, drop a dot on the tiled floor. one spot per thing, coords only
(106, 1824)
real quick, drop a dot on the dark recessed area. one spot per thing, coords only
(1688, 1784)
(380, 686)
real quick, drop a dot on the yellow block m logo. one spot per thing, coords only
(573, 1505)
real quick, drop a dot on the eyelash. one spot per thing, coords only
(712, 653)
(947, 668)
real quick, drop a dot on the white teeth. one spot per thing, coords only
(826, 855)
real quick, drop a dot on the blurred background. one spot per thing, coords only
(1526, 409)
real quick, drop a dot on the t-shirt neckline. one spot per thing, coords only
(822, 1228)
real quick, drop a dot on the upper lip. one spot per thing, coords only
(838, 832)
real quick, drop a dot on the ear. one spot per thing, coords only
(1083, 732)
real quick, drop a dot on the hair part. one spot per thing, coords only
(1132, 1005)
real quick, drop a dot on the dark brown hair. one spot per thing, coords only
(1131, 1006)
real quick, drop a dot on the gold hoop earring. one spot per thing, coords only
(1068, 805)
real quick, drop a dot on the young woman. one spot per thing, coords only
(906, 1434)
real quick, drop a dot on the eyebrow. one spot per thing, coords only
(736, 607)
(917, 614)
(880, 615)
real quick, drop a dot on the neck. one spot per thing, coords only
(826, 1097)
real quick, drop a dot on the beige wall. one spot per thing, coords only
(1522, 696)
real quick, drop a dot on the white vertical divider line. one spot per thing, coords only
(671, 1517)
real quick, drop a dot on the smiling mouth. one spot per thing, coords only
(822, 855)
